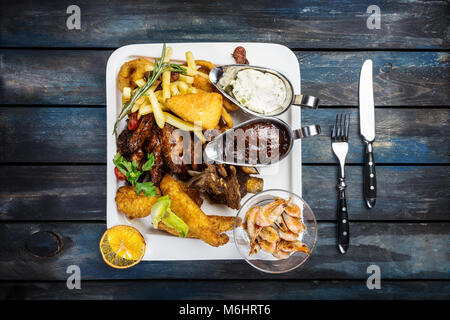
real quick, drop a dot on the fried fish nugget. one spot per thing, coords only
(206, 108)
(187, 210)
(133, 205)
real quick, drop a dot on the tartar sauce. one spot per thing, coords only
(258, 91)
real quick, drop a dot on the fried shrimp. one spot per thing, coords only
(275, 228)
(294, 224)
(269, 234)
(270, 213)
(293, 246)
(133, 205)
(133, 70)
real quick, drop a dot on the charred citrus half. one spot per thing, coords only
(122, 246)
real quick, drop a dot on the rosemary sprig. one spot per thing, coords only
(159, 68)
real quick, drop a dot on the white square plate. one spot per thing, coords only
(284, 175)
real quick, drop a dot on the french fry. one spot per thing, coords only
(182, 87)
(137, 104)
(126, 93)
(174, 88)
(187, 79)
(202, 74)
(144, 109)
(159, 96)
(166, 76)
(184, 125)
(153, 87)
(157, 112)
(193, 90)
(227, 118)
(140, 82)
(190, 60)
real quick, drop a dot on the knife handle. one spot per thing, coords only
(343, 235)
(369, 176)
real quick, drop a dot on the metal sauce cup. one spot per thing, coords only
(216, 74)
(214, 150)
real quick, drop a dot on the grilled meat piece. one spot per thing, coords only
(247, 183)
(141, 133)
(154, 146)
(173, 149)
(122, 143)
(220, 184)
(225, 184)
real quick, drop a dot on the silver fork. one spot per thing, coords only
(339, 144)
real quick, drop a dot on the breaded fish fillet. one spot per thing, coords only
(202, 107)
(133, 205)
(187, 210)
(220, 223)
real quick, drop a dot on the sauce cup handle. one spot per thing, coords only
(306, 101)
(306, 132)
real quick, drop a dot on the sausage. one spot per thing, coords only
(239, 55)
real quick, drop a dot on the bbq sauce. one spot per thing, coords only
(260, 142)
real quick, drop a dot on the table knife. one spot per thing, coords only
(367, 128)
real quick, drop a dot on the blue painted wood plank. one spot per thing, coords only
(75, 77)
(402, 136)
(401, 250)
(65, 192)
(229, 289)
(78, 135)
(306, 24)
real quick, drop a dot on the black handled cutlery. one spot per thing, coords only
(339, 144)
(367, 128)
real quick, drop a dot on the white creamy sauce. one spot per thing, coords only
(258, 91)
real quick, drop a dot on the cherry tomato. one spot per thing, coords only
(119, 175)
(133, 121)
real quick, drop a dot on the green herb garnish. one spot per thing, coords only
(159, 68)
(131, 171)
(148, 188)
(150, 162)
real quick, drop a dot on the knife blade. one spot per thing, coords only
(367, 129)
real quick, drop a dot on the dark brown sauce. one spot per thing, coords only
(256, 143)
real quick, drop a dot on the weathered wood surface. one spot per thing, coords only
(77, 77)
(230, 290)
(79, 135)
(64, 192)
(306, 24)
(401, 250)
(52, 154)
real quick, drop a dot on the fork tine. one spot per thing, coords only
(347, 127)
(333, 131)
(341, 128)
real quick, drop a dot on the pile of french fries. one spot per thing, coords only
(153, 100)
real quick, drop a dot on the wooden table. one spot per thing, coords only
(53, 146)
